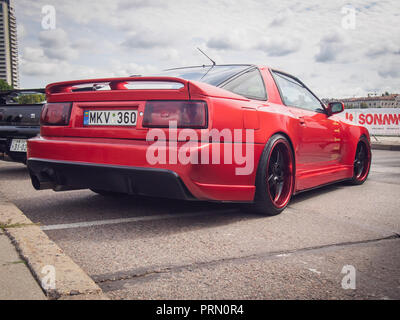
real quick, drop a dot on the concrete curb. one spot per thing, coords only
(38, 251)
(379, 146)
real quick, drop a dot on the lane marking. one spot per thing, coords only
(133, 219)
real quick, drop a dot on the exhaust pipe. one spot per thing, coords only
(41, 184)
(45, 180)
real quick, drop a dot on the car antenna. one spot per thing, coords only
(213, 62)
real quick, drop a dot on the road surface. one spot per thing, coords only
(338, 242)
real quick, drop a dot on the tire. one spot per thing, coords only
(275, 177)
(362, 162)
(107, 193)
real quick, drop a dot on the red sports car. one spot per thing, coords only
(230, 133)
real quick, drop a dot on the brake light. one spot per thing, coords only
(56, 114)
(187, 114)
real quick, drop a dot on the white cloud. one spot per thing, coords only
(330, 47)
(33, 62)
(111, 38)
(225, 42)
(56, 45)
(138, 4)
(391, 69)
(279, 46)
(147, 40)
(388, 46)
(21, 32)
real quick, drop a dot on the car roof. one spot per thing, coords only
(210, 65)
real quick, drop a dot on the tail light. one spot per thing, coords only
(55, 114)
(187, 114)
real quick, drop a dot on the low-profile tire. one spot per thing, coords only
(362, 162)
(275, 177)
(107, 193)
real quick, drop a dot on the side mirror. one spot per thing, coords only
(335, 107)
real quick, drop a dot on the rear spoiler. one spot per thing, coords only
(112, 83)
(120, 89)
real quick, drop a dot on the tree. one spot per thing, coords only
(30, 98)
(4, 86)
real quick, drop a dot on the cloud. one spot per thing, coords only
(388, 47)
(127, 69)
(390, 70)
(21, 32)
(56, 45)
(330, 47)
(277, 47)
(281, 18)
(234, 39)
(224, 43)
(146, 40)
(138, 4)
(146, 34)
(33, 62)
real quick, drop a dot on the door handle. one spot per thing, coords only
(302, 121)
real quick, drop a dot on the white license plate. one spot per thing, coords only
(110, 118)
(18, 145)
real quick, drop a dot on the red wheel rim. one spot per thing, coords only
(280, 174)
(362, 161)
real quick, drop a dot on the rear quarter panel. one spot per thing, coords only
(351, 136)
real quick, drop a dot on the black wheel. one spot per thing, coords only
(107, 193)
(362, 162)
(275, 177)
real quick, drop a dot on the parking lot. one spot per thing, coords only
(142, 248)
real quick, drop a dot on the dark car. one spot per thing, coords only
(19, 120)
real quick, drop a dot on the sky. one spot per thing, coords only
(337, 48)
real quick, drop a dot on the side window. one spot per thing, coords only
(249, 85)
(295, 94)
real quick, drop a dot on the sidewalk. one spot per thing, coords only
(16, 280)
(28, 254)
(385, 143)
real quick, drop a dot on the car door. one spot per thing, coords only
(320, 141)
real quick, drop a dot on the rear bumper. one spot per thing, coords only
(130, 180)
(71, 158)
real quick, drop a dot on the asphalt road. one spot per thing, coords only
(137, 248)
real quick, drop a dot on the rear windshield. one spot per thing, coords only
(214, 75)
(22, 97)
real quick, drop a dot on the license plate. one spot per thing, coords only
(110, 118)
(18, 145)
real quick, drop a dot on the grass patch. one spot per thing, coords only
(9, 225)
(13, 262)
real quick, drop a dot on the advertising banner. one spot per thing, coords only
(379, 121)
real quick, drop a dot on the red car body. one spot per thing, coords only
(74, 156)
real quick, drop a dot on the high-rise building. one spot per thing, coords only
(8, 44)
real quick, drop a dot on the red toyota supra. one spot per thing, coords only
(229, 133)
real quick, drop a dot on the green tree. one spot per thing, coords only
(4, 86)
(30, 98)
